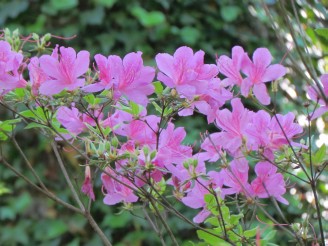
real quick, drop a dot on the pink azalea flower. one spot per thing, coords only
(118, 121)
(230, 67)
(170, 148)
(212, 147)
(236, 178)
(290, 128)
(11, 64)
(107, 68)
(127, 77)
(143, 132)
(268, 182)
(64, 73)
(312, 91)
(233, 125)
(185, 71)
(87, 184)
(195, 199)
(37, 75)
(210, 101)
(116, 192)
(258, 72)
(265, 131)
(258, 132)
(181, 176)
(71, 119)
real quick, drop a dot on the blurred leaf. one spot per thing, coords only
(158, 87)
(270, 235)
(7, 213)
(56, 228)
(211, 239)
(319, 155)
(3, 189)
(323, 32)
(230, 13)
(63, 4)
(250, 233)
(106, 3)
(12, 9)
(35, 125)
(93, 17)
(117, 220)
(148, 19)
(190, 35)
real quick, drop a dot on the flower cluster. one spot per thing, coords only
(146, 150)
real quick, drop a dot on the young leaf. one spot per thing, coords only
(158, 87)
(250, 233)
(319, 156)
(211, 239)
(323, 32)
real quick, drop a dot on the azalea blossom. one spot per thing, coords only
(10, 68)
(87, 187)
(233, 125)
(268, 182)
(64, 71)
(195, 199)
(236, 178)
(314, 96)
(116, 192)
(71, 119)
(170, 148)
(231, 67)
(258, 72)
(37, 75)
(127, 77)
(185, 71)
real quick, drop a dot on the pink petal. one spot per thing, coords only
(261, 93)
(51, 87)
(112, 199)
(273, 72)
(165, 63)
(246, 85)
(93, 87)
(50, 66)
(82, 63)
(201, 216)
(184, 53)
(262, 57)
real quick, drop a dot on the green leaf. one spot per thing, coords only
(4, 189)
(214, 221)
(56, 228)
(157, 107)
(211, 239)
(230, 13)
(148, 19)
(20, 93)
(190, 35)
(319, 156)
(63, 4)
(117, 220)
(35, 125)
(270, 235)
(234, 219)
(158, 87)
(106, 3)
(323, 32)
(250, 233)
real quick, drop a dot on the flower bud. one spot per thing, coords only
(35, 36)
(153, 154)
(47, 37)
(114, 142)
